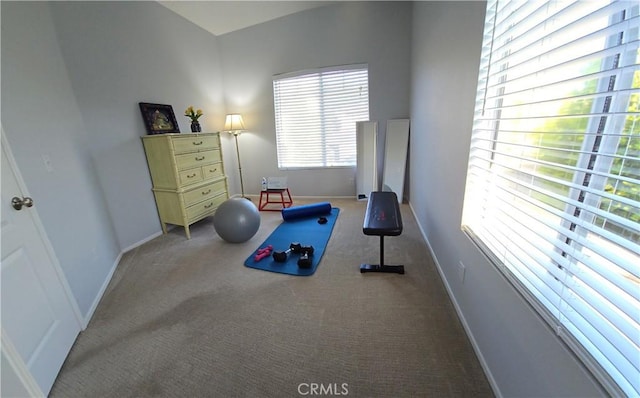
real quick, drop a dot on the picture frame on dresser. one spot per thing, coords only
(159, 118)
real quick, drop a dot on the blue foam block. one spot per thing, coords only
(304, 211)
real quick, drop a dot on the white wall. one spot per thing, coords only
(41, 117)
(72, 76)
(122, 53)
(377, 33)
(522, 355)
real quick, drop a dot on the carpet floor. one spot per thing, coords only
(186, 318)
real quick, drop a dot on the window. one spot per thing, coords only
(316, 113)
(553, 182)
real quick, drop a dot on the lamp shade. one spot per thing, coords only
(234, 122)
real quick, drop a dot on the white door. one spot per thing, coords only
(38, 314)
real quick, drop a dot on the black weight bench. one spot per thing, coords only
(382, 218)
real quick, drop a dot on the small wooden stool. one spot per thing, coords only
(265, 199)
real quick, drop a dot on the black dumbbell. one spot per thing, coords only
(281, 256)
(305, 261)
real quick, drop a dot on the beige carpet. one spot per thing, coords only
(186, 318)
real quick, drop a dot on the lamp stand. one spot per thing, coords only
(239, 166)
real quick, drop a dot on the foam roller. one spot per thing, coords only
(304, 211)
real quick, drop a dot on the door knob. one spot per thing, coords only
(17, 203)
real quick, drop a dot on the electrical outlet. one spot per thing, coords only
(461, 271)
(46, 159)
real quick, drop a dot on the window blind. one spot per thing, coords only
(553, 182)
(316, 113)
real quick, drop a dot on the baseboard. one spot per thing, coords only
(103, 288)
(87, 317)
(257, 196)
(143, 241)
(465, 325)
(327, 197)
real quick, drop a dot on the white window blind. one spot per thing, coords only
(316, 113)
(553, 182)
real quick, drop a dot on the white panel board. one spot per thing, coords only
(395, 156)
(366, 169)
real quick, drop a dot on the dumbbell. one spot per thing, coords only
(281, 256)
(304, 261)
(262, 253)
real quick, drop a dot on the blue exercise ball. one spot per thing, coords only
(236, 220)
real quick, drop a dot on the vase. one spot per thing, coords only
(195, 127)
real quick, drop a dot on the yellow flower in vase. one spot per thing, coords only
(194, 115)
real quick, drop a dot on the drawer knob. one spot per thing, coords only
(213, 171)
(208, 206)
(206, 192)
(191, 175)
(199, 158)
(197, 143)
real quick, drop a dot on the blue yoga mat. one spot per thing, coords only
(305, 230)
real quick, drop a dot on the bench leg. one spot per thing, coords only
(396, 269)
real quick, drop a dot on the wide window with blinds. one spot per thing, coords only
(553, 182)
(316, 113)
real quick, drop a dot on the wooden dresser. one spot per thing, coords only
(188, 176)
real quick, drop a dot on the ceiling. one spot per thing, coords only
(220, 17)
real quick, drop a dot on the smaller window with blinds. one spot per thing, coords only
(553, 183)
(316, 113)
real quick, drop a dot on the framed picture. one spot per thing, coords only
(158, 118)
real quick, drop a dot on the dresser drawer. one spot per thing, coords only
(192, 144)
(195, 159)
(190, 176)
(207, 207)
(204, 192)
(212, 171)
